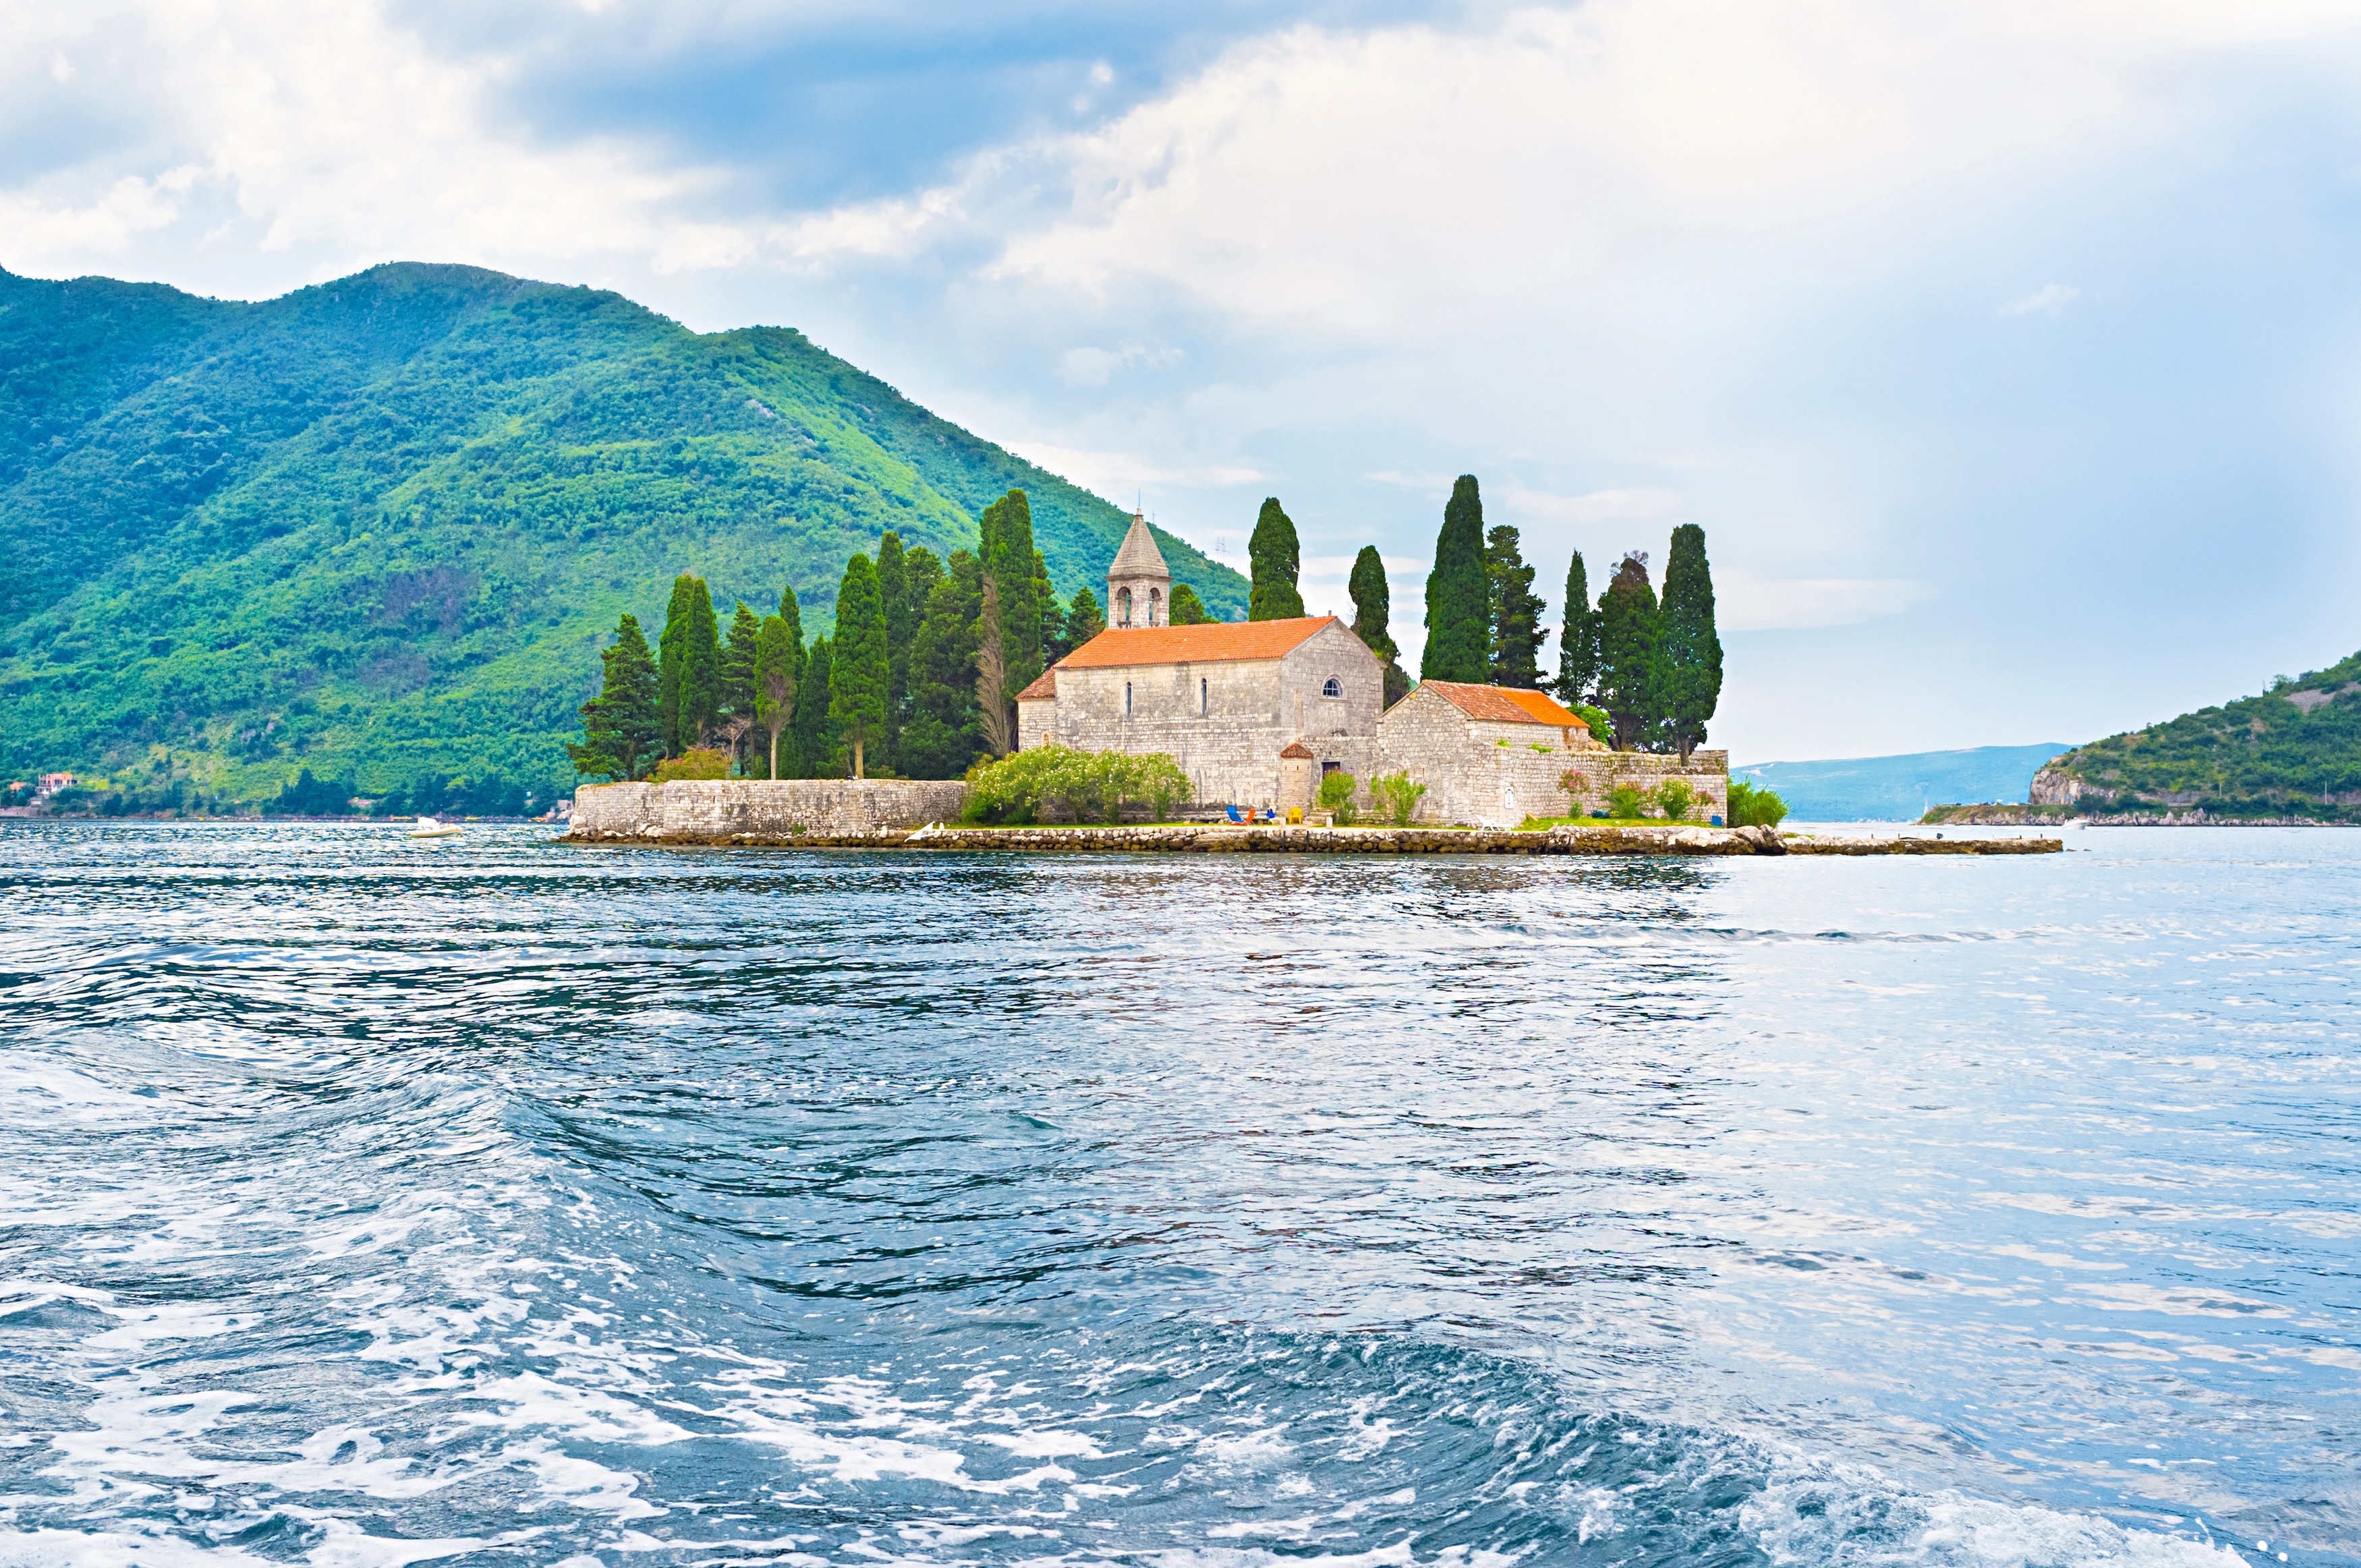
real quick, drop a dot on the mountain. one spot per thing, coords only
(1897, 789)
(377, 528)
(2291, 754)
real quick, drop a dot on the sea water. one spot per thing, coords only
(371, 1203)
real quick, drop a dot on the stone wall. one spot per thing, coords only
(1471, 776)
(766, 808)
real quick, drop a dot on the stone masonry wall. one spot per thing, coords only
(769, 808)
(1471, 778)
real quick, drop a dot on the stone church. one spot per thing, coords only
(1255, 712)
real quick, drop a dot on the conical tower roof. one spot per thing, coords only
(1139, 558)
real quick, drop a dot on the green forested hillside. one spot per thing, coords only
(376, 528)
(2292, 752)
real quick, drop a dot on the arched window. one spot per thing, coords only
(1122, 607)
(1156, 606)
(1127, 699)
(1202, 708)
(1334, 688)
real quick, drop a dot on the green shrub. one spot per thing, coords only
(1674, 796)
(1602, 729)
(1625, 802)
(1336, 795)
(1754, 806)
(1082, 786)
(697, 763)
(1399, 794)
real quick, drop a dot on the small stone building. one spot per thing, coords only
(1493, 756)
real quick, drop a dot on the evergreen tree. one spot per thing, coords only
(815, 736)
(775, 660)
(1458, 602)
(1186, 609)
(893, 596)
(1053, 615)
(671, 651)
(1577, 639)
(1010, 567)
(859, 672)
(1630, 660)
(1515, 612)
(700, 669)
(994, 708)
(623, 728)
(793, 762)
(1692, 647)
(738, 680)
(1373, 603)
(1277, 563)
(1083, 620)
(945, 729)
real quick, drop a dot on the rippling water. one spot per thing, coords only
(366, 1202)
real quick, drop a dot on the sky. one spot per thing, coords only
(2008, 353)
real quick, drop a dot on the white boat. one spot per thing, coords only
(428, 827)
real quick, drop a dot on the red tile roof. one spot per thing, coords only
(1298, 748)
(1504, 704)
(1217, 643)
(1044, 687)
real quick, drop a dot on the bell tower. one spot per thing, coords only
(1139, 585)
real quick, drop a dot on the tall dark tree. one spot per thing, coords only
(996, 708)
(777, 663)
(1277, 563)
(945, 731)
(622, 731)
(893, 596)
(1515, 611)
(671, 659)
(1631, 657)
(1373, 603)
(1458, 596)
(1052, 613)
(1692, 647)
(738, 680)
(1186, 609)
(1577, 639)
(815, 736)
(1084, 620)
(1014, 604)
(793, 762)
(859, 672)
(700, 671)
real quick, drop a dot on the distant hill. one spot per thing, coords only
(2291, 754)
(378, 526)
(1898, 789)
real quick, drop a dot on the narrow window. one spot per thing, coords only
(1202, 708)
(1334, 688)
(1127, 699)
(1154, 607)
(1122, 607)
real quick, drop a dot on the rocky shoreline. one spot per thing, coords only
(1193, 838)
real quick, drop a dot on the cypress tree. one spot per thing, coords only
(622, 730)
(860, 674)
(738, 679)
(700, 669)
(1577, 639)
(1277, 563)
(1631, 661)
(793, 764)
(1010, 567)
(1053, 615)
(1186, 609)
(1458, 603)
(893, 595)
(671, 650)
(1515, 612)
(815, 738)
(1373, 602)
(775, 660)
(1083, 620)
(944, 730)
(1692, 653)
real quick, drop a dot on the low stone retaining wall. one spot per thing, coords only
(710, 811)
(1191, 839)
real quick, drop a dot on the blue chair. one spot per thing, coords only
(1233, 814)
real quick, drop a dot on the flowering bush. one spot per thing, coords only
(1053, 781)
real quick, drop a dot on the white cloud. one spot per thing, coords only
(61, 69)
(2048, 299)
(1796, 603)
(1121, 474)
(1093, 366)
(1630, 500)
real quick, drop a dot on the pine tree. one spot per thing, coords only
(738, 680)
(775, 660)
(1630, 660)
(1083, 620)
(1277, 563)
(944, 730)
(859, 671)
(671, 651)
(1515, 612)
(1373, 603)
(1186, 609)
(700, 669)
(1053, 614)
(893, 596)
(1692, 647)
(1458, 603)
(622, 731)
(815, 736)
(1577, 639)
(792, 761)
(1014, 658)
